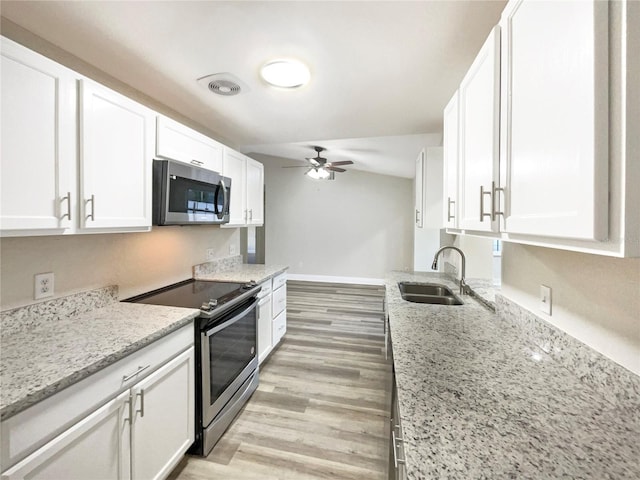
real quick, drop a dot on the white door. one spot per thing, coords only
(479, 138)
(178, 142)
(116, 154)
(163, 412)
(97, 447)
(255, 192)
(234, 166)
(555, 135)
(38, 142)
(451, 144)
(419, 190)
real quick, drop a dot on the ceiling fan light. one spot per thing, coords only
(285, 73)
(319, 174)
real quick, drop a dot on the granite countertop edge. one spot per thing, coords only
(244, 273)
(177, 318)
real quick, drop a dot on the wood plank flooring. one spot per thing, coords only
(322, 408)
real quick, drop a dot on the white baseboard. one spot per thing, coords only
(331, 279)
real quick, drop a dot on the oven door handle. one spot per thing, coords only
(232, 320)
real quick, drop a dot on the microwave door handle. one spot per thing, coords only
(225, 192)
(232, 320)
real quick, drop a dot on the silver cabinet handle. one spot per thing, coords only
(197, 162)
(92, 215)
(141, 395)
(129, 403)
(68, 199)
(417, 215)
(449, 203)
(251, 215)
(495, 198)
(394, 443)
(126, 378)
(482, 194)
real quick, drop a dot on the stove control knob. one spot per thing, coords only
(213, 303)
(205, 306)
(250, 285)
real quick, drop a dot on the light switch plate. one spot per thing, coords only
(545, 299)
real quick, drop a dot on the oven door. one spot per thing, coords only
(228, 358)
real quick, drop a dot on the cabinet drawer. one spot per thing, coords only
(279, 300)
(30, 429)
(266, 289)
(279, 280)
(279, 327)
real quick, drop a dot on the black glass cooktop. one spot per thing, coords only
(191, 294)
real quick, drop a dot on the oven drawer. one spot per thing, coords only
(279, 300)
(279, 280)
(279, 327)
(25, 432)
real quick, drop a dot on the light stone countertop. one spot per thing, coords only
(243, 273)
(476, 401)
(40, 358)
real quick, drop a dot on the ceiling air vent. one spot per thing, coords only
(223, 84)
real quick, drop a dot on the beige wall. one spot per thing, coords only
(358, 225)
(137, 262)
(596, 299)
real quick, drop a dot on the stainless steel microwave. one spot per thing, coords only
(187, 195)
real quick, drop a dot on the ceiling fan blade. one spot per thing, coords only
(334, 169)
(343, 162)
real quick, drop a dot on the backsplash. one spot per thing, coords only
(68, 306)
(619, 385)
(217, 266)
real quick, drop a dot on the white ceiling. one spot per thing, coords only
(381, 71)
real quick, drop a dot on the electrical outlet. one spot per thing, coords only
(211, 254)
(545, 299)
(43, 286)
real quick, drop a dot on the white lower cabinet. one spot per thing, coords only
(264, 322)
(163, 418)
(140, 434)
(279, 308)
(279, 327)
(95, 447)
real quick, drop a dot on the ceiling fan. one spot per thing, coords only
(319, 168)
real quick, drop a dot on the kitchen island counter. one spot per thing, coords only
(478, 400)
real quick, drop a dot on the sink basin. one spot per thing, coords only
(428, 293)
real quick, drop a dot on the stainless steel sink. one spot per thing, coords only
(432, 293)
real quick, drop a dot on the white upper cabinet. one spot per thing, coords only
(116, 153)
(38, 138)
(178, 142)
(247, 189)
(451, 146)
(255, 192)
(479, 138)
(419, 190)
(555, 112)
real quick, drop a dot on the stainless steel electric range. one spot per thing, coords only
(225, 344)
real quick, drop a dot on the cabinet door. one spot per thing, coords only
(279, 300)
(419, 190)
(178, 142)
(479, 137)
(95, 447)
(38, 130)
(255, 192)
(279, 327)
(163, 412)
(264, 328)
(555, 145)
(451, 145)
(116, 154)
(234, 166)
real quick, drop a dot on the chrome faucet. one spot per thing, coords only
(464, 288)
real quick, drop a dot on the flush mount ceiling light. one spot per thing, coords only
(285, 73)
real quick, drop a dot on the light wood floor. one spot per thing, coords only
(322, 408)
